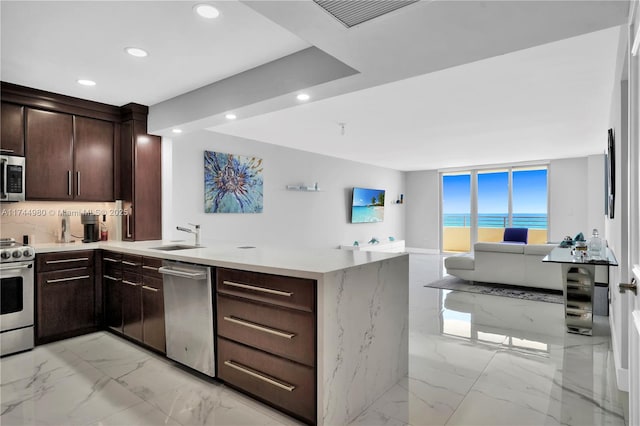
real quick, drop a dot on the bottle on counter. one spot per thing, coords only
(595, 245)
(104, 231)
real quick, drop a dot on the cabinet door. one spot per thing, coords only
(153, 313)
(12, 129)
(49, 155)
(65, 302)
(147, 203)
(112, 282)
(132, 305)
(93, 159)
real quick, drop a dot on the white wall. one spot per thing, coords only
(423, 210)
(568, 203)
(309, 219)
(576, 201)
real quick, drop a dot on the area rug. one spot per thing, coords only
(454, 283)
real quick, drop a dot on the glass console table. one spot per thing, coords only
(578, 277)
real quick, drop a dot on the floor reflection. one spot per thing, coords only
(479, 359)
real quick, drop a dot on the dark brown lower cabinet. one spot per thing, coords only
(132, 305)
(134, 299)
(112, 283)
(65, 296)
(153, 313)
(288, 385)
(266, 338)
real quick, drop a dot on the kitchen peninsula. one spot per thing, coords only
(359, 307)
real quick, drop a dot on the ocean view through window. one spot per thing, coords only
(508, 197)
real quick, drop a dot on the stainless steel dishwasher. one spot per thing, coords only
(188, 314)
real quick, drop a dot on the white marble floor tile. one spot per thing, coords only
(44, 363)
(489, 360)
(152, 378)
(209, 404)
(108, 353)
(77, 399)
(143, 414)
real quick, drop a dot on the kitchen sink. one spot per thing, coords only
(174, 247)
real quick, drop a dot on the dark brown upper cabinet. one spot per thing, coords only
(49, 155)
(93, 146)
(69, 157)
(12, 129)
(82, 150)
(140, 178)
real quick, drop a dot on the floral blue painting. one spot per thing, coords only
(232, 183)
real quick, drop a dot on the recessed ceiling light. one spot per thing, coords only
(206, 11)
(177, 130)
(86, 82)
(303, 97)
(136, 51)
(230, 116)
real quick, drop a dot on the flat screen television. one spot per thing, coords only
(367, 205)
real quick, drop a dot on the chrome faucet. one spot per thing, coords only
(191, 231)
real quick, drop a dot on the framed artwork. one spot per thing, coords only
(232, 183)
(611, 175)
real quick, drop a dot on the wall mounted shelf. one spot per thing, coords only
(303, 188)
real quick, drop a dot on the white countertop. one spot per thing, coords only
(298, 262)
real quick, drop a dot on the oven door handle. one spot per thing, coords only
(14, 267)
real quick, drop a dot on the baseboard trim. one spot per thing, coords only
(421, 250)
(622, 374)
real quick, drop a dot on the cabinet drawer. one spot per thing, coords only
(285, 332)
(132, 263)
(296, 293)
(111, 257)
(152, 282)
(67, 275)
(131, 279)
(110, 271)
(64, 260)
(150, 267)
(285, 384)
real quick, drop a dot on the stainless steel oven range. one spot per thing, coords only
(16, 297)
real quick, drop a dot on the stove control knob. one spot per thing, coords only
(27, 253)
(5, 255)
(17, 254)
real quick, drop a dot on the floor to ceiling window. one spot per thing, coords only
(456, 213)
(493, 204)
(477, 205)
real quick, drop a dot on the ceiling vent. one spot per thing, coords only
(355, 12)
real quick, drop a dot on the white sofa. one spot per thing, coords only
(505, 263)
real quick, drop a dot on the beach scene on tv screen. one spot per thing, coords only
(367, 206)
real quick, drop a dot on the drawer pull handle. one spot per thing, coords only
(60, 280)
(256, 288)
(125, 262)
(253, 373)
(108, 259)
(146, 287)
(78, 259)
(150, 268)
(260, 327)
(129, 282)
(109, 277)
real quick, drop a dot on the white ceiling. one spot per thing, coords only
(550, 101)
(439, 83)
(50, 44)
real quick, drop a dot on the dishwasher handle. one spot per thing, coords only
(183, 273)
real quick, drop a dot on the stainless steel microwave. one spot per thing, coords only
(12, 178)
